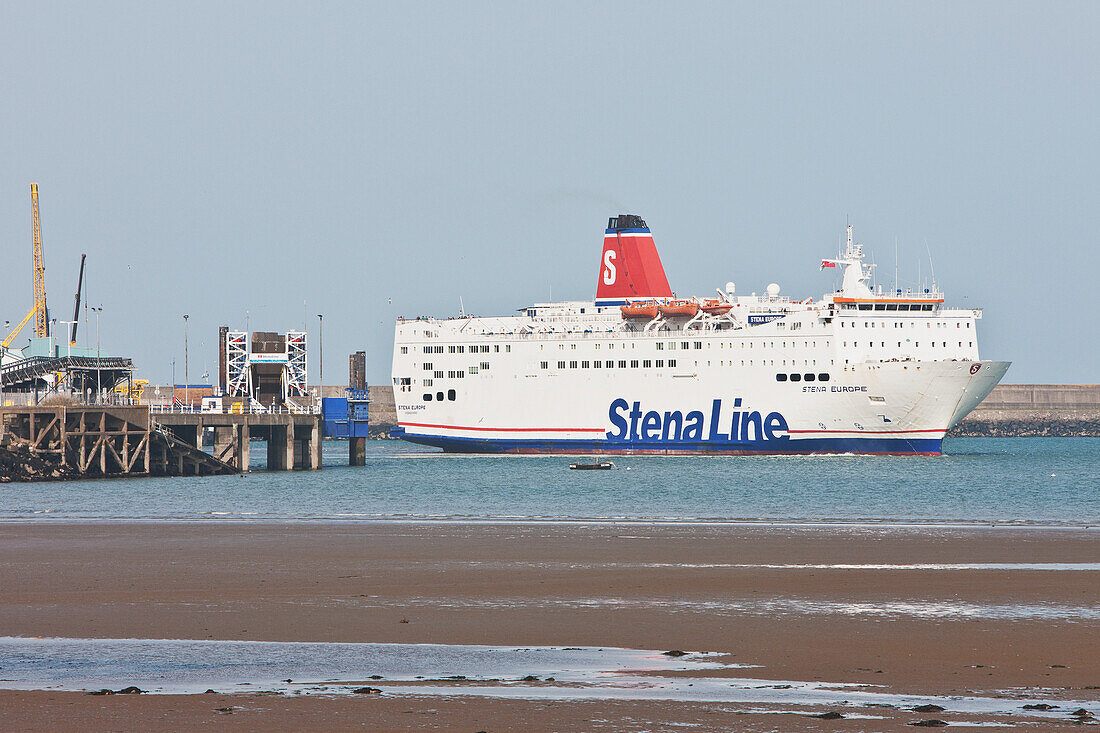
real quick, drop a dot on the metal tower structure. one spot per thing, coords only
(238, 382)
(296, 363)
(41, 313)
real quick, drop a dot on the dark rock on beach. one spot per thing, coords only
(928, 709)
(366, 691)
(1039, 706)
(930, 723)
(831, 715)
(131, 690)
(675, 653)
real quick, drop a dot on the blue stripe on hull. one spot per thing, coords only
(892, 446)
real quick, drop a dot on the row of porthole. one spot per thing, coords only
(807, 377)
(439, 396)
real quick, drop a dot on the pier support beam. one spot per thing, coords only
(244, 447)
(315, 446)
(280, 448)
(357, 451)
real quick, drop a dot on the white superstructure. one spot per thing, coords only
(637, 371)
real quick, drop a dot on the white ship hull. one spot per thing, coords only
(879, 375)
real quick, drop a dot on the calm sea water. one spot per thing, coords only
(1027, 480)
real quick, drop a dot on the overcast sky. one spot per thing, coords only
(376, 160)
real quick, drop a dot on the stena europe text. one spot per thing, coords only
(639, 370)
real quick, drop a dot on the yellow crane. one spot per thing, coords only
(42, 314)
(15, 331)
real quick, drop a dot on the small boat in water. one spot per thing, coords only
(594, 466)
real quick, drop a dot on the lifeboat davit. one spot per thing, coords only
(715, 307)
(640, 310)
(680, 308)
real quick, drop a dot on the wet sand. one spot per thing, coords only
(703, 587)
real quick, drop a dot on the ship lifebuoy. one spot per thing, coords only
(974, 369)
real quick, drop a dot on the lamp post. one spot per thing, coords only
(98, 387)
(186, 392)
(69, 353)
(321, 358)
(3, 348)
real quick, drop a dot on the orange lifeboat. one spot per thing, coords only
(680, 308)
(715, 307)
(647, 310)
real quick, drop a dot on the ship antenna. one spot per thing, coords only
(461, 307)
(930, 265)
(895, 264)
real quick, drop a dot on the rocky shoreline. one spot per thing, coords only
(19, 463)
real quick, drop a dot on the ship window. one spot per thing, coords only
(426, 349)
(926, 307)
(439, 396)
(404, 349)
(672, 346)
(781, 377)
(451, 349)
(633, 363)
(427, 366)
(660, 346)
(572, 365)
(880, 306)
(903, 306)
(460, 374)
(451, 395)
(865, 306)
(438, 374)
(672, 362)
(622, 364)
(473, 370)
(609, 364)
(808, 377)
(544, 365)
(427, 383)
(685, 344)
(461, 349)
(891, 306)
(484, 365)
(647, 364)
(661, 363)
(698, 344)
(485, 349)
(796, 377)
(561, 365)
(585, 365)
(496, 348)
(596, 364)
(427, 396)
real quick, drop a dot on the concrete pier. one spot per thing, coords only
(293, 440)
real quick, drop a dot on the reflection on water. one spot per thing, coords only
(552, 673)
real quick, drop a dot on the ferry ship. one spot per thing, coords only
(640, 371)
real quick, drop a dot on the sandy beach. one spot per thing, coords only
(913, 610)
